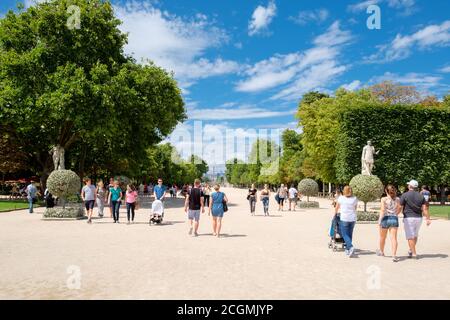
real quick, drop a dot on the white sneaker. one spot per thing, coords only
(350, 252)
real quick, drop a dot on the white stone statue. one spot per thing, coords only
(367, 159)
(58, 157)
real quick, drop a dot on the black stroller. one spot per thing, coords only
(335, 235)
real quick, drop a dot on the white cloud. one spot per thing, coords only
(218, 143)
(445, 69)
(175, 43)
(300, 71)
(407, 6)
(234, 112)
(29, 3)
(361, 6)
(401, 47)
(261, 18)
(352, 86)
(315, 16)
(312, 79)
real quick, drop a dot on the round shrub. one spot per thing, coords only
(366, 188)
(63, 183)
(308, 187)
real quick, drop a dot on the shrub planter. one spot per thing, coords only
(68, 213)
(308, 204)
(367, 217)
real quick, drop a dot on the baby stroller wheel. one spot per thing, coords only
(330, 245)
(335, 248)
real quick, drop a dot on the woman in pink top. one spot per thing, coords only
(131, 199)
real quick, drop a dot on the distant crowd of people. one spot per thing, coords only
(282, 194)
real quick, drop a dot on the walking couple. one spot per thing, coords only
(195, 203)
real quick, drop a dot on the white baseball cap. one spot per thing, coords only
(413, 183)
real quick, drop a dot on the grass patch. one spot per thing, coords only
(440, 211)
(14, 205)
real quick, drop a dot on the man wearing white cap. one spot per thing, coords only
(413, 207)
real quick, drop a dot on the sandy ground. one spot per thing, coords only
(284, 256)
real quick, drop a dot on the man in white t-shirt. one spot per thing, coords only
(346, 207)
(292, 197)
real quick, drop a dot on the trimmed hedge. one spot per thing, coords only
(413, 143)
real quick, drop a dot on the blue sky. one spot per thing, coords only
(246, 64)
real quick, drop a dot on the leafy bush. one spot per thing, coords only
(308, 204)
(366, 188)
(73, 212)
(63, 183)
(367, 216)
(308, 187)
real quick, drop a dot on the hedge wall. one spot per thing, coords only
(414, 143)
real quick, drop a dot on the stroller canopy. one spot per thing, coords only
(157, 207)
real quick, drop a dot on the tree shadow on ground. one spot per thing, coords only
(269, 216)
(164, 223)
(433, 255)
(363, 252)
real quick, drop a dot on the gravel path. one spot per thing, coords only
(284, 256)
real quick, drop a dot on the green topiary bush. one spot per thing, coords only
(308, 187)
(63, 183)
(366, 188)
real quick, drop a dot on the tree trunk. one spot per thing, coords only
(442, 195)
(46, 166)
(82, 161)
(365, 206)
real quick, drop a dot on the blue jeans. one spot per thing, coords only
(347, 233)
(265, 202)
(30, 205)
(115, 209)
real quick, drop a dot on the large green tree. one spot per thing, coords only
(292, 157)
(74, 87)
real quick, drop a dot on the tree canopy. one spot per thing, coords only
(75, 87)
